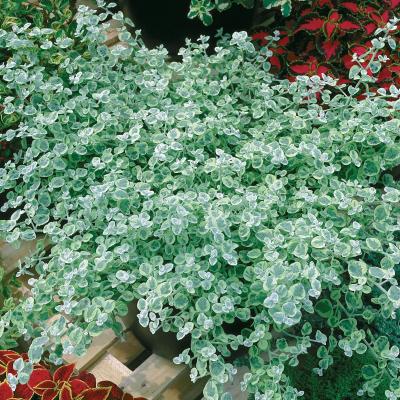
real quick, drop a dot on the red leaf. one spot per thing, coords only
(322, 3)
(95, 394)
(384, 74)
(395, 69)
(370, 28)
(3, 369)
(6, 392)
(274, 60)
(312, 25)
(349, 26)
(385, 16)
(321, 70)
(369, 9)
(23, 392)
(7, 355)
(66, 393)
(306, 12)
(394, 3)
(359, 50)
(342, 80)
(334, 16)
(78, 386)
(380, 19)
(350, 6)
(284, 41)
(88, 378)
(50, 394)
(39, 375)
(330, 48)
(64, 373)
(41, 387)
(115, 392)
(329, 29)
(303, 69)
(259, 36)
(127, 396)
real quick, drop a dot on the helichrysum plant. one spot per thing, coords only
(211, 192)
(203, 9)
(55, 14)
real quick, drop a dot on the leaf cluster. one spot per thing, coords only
(209, 191)
(55, 14)
(322, 37)
(203, 9)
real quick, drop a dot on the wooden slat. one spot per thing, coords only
(152, 377)
(108, 368)
(107, 341)
(184, 389)
(98, 347)
(126, 350)
(10, 256)
(112, 33)
(234, 387)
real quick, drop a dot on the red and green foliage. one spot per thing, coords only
(322, 38)
(62, 384)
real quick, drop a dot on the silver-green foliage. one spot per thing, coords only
(203, 9)
(213, 194)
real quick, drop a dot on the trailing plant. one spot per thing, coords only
(242, 210)
(40, 13)
(341, 381)
(322, 38)
(203, 9)
(55, 14)
(62, 384)
(8, 286)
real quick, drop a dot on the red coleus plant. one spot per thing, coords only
(63, 384)
(322, 38)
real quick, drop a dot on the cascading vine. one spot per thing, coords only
(209, 191)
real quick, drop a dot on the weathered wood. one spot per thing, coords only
(11, 255)
(183, 388)
(234, 387)
(96, 350)
(112, 32)
(152, 377)
(108, 368)
(127, 350)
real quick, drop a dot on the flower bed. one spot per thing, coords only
(255, 215)
(323, 36)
